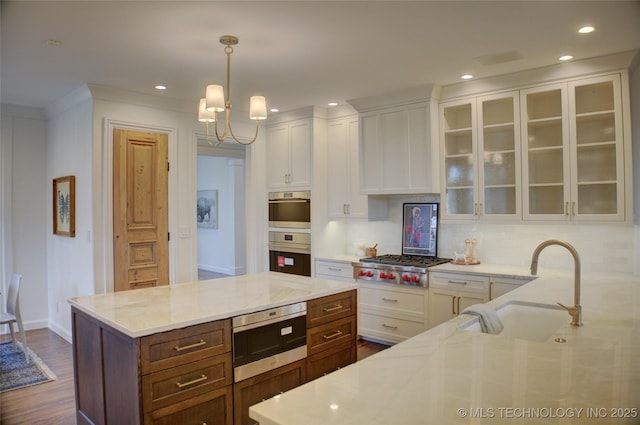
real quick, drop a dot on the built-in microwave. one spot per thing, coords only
(290, 209)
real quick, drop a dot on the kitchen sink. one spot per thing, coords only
(528, 321)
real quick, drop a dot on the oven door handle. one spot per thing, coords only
(288, 201)
(285, 248)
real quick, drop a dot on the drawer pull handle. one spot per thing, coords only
(333, 335)
(384, 325)
(195, 381)
(186, 347)
(391, 300)
(330, 309)
(457, 282)
(334, 269)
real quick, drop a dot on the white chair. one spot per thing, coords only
(13, 314)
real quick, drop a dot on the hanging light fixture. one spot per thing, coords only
(215, 102)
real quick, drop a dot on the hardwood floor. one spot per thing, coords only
(53, 403)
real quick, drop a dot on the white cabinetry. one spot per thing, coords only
(343, 177)
(289, 154)
(334, 270)
(398, 143)
(499, 285)
(391, 314)
(481, 157)
(574, 150)
(451, 293)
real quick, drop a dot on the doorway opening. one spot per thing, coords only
(220, 217)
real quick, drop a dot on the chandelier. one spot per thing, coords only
(215, 102)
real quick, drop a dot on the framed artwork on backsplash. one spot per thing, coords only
(64, 206)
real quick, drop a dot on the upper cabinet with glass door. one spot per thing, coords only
(597, 140)
(573, 157)
(481, 157)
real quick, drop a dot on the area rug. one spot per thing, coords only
(16, 373)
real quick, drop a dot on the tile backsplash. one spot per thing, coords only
(602, 247)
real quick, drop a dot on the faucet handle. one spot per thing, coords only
(565, 307)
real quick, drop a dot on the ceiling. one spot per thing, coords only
(296, 53)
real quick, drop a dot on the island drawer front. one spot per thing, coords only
(459, 282)
(326, 309)
(161, 389)
(173, 348)
(264, 386)
(330, 360)
(322, 337)
(395, 301)
(213, 408)
(389, 328)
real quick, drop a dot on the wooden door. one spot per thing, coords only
(140, 210)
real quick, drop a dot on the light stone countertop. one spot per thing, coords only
(146, 311)
(451, 376)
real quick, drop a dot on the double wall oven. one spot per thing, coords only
(290, 243)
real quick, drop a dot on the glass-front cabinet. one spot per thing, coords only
(573, 159)
(481, 157)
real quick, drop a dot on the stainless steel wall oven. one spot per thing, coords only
(290, 209)
(290, 252)
(268, 339)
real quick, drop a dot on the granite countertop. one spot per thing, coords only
(447, 375)
(142, 312)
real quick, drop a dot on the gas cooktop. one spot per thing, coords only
(405, 260)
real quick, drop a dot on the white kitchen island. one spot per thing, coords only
(451, 376)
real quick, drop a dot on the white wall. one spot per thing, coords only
(69, 152)
(219, 249)
(24, 209)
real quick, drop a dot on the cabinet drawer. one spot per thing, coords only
(389, 328)
(394, 301)
(459, 282)
(330, 360)
(161, 389)
(212, 408)
(173, 348)
(264, 386)
(334, 269)
(326, 309)
(320, 338)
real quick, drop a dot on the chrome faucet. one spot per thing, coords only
(576, 311)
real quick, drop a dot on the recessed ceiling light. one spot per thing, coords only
(565, 58)
(161, 87)
(332, 104)
(52, 43)
(466, 76)
(274, 110)
(586, 29)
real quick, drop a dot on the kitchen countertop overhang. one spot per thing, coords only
(146, 311)
(447, 375)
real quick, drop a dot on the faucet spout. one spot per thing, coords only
(576, 311)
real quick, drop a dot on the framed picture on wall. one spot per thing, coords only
(64, 206)
(207, 209)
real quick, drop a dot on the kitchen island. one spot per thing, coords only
(449, 375)
(164, 355)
